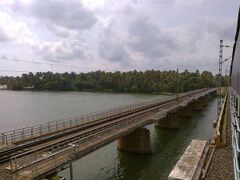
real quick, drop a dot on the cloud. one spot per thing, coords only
(135, 37)
(14, 30)
(114, 52)
(225, 30)
(112, 42)
(148, 39)
(73, 48)
(198, 44)
(187, 3)
(136, 34)
(4, 37)
(67, 14)
(59, 29)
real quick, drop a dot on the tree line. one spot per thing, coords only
(150, 81)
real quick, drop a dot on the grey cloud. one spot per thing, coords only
(72, 15)
(192, 45)
(4, 37)
(66, 49)
(4, 56)
(65, 19)
(112, 47)
(155, 34)
(224, 31)
(68, 14)
(59, 31)
(113, 51)
(149, 40)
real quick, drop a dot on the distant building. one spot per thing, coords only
(28, 87)
(3, 87)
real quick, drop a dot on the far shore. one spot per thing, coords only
(94, 91)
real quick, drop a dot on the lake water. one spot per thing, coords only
(22, 108)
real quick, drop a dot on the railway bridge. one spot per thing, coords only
(38, 151)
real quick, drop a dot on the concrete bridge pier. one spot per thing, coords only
(197, 105)
(136, 142)
(186, 112)
(213, 94)
(205, 100)
(171, 121)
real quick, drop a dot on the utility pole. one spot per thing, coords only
(177, 83)
(220, 63)
(220, 76)
(226, 77)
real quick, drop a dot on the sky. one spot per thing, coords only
(113, 35)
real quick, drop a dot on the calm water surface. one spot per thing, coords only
(19, 109)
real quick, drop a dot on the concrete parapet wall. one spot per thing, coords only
(220, 131)
(191, 162)
(221, 91)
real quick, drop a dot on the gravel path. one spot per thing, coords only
(221, 167)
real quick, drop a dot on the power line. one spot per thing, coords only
(21, 71)
(40, 62)
(11, 70)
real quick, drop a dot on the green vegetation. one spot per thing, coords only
(133, 81)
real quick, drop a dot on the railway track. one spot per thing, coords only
(76, 134)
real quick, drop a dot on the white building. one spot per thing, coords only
(3, 87)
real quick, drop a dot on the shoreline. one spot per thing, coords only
(92, 91)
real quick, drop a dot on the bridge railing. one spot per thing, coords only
(235, 113)
(9, 138)
(53, 157)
